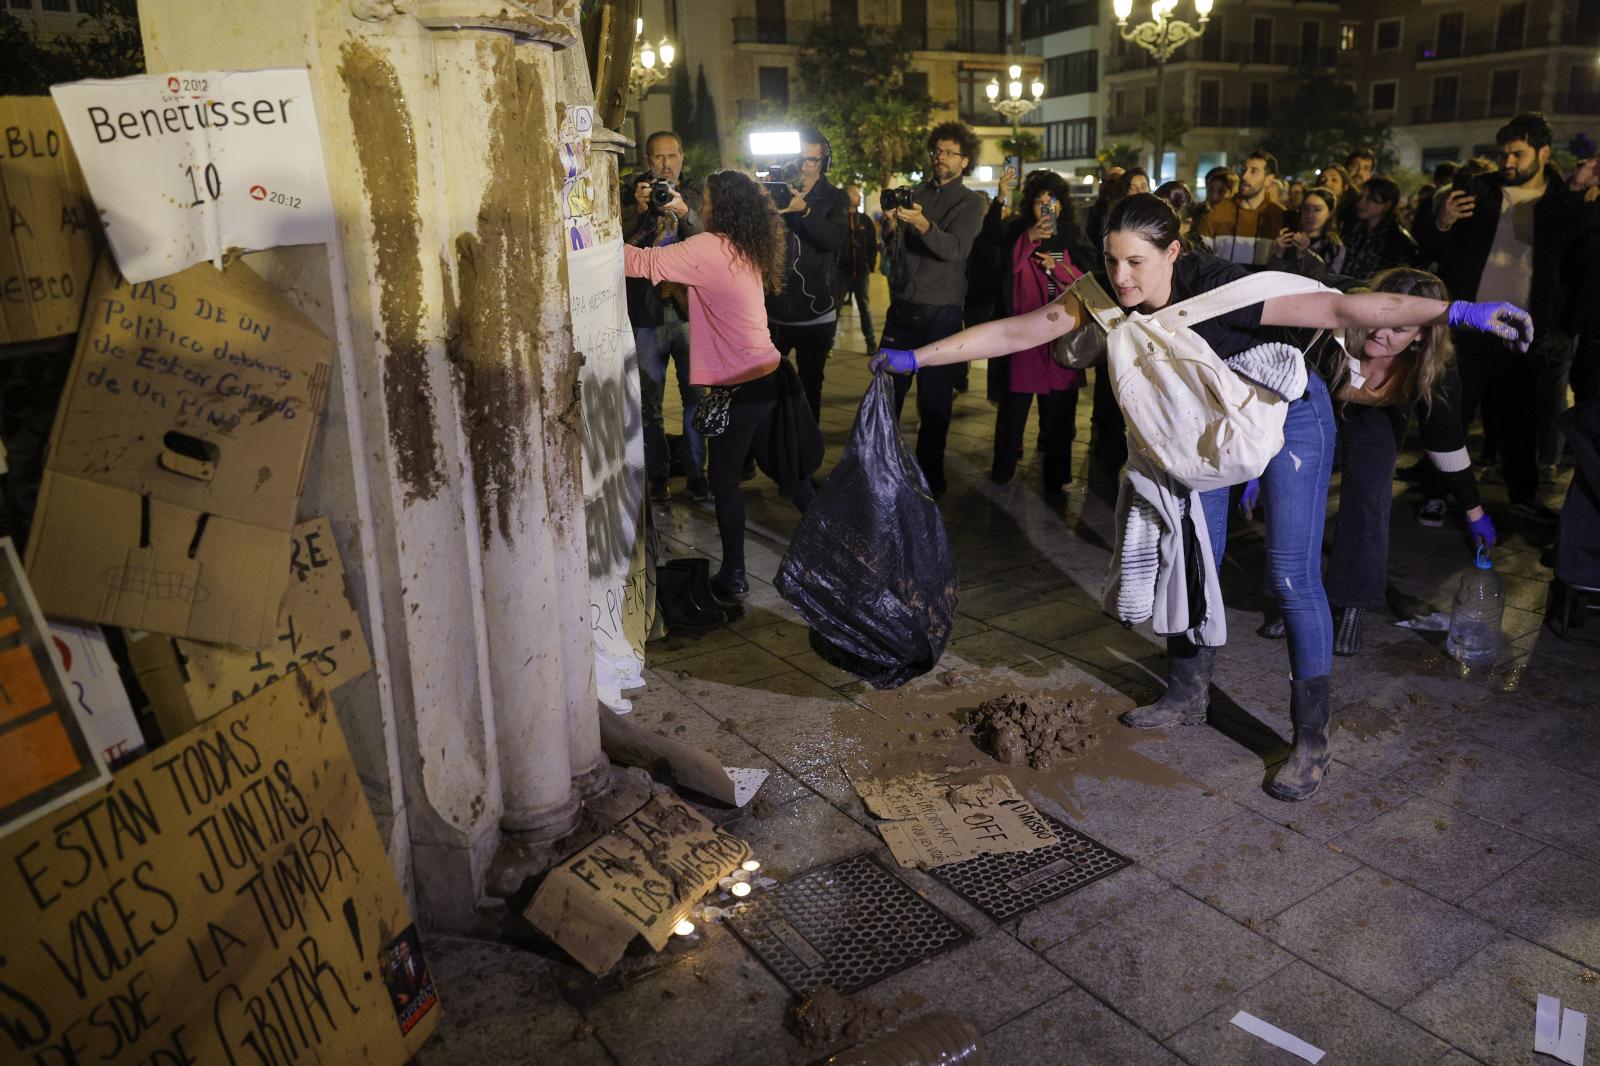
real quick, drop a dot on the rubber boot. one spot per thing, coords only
(1300, 777)
(1188, 695)
(677, 604)
(730, 585)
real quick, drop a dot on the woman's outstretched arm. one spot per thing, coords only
(1006, 335)
(1375, 310)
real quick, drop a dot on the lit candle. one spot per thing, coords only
(741, 888)
(752, 865)
(684, 928)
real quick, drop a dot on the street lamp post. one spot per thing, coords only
(1013, 106)
(644, 73)
(1161, 36)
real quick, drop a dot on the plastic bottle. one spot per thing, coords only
(1475, 620)
(932, 1040)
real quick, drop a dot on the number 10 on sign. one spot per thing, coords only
(205, 183)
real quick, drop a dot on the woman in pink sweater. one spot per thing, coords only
(728, 270)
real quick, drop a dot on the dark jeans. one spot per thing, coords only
(672, 339)
(1586, 368)
(912, 325)
(1294, 499)
(1058, 413)
(1358, 564)
(1514, 388)
(657, 460)
(749, 433)
(811, 345)
(858, 293)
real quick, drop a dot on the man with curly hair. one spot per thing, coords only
(931, 240)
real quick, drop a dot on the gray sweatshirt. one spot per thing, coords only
(932, 268)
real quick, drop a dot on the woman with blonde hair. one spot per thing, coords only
(1381, 376)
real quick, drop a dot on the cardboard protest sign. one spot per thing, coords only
(613, 466)
(48, 756)
(50, 235)
(177, 457)
(97, 691)
(640, 879)
(318, 633)
(932, 823)
(187, 165)
(225, 899)
(633, 745)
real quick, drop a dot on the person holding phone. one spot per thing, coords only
(1045, 253)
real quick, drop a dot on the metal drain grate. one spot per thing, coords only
(845, 925)
(1004, 886)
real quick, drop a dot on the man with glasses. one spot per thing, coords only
(928, 282)
(804, 317)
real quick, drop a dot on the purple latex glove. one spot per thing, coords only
(894, 360)
(1482, 530)
(1250, 496)
(1507, 321)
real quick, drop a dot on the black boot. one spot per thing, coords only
(677, 603)
(698, 567)
(1188, 694)
(730, 585)
(1302, 775)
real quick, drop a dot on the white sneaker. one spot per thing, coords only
(1431, 514)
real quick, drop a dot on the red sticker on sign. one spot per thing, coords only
(257, 192)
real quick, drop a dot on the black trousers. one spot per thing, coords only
(1368, 446)
(811, 345)
(749, 433)
(1513, 388)
(1110, 430)
(912, 325)
(1058, 413)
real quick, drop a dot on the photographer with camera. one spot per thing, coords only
(663, 207)
(804, 316)
(932, 227)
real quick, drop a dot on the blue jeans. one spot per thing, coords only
(657, 462)
(1294, 502)
(672, 341)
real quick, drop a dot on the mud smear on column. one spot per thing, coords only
(925, 727)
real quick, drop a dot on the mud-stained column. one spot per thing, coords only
(512, 348)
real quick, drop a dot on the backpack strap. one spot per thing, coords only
(1101, 307)
(1258, 287)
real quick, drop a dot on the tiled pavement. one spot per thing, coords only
(1447, 873)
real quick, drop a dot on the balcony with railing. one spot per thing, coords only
(1473, 110)
(1229, 117)
(1576, 104)
(1473, 44)
(988, 41)
(1238, 53)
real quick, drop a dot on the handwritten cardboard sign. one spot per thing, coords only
(640, 879)
(97, 691)
(177, 457)
(318, 634)
(933, 824)
(48, 231)
(48, 756)
(226, 899)
(186, 165)
(613, 466)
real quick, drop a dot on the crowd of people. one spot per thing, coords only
(1471, 302)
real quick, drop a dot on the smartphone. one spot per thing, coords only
(1015, 163)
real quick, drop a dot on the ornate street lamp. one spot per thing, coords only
(1013, 106)
(644, 73)
(1161, 37)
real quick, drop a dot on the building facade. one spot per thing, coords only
(1071, 37)
(1444, 76)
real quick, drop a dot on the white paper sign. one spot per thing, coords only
(613, 460)
(186, 165)
(1559, 1031)
(96, 688)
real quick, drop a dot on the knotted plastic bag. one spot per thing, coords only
(870, 568)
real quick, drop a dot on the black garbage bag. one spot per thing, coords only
(870, 568)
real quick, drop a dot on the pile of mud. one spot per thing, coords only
(1026, 728)
(825, 1018)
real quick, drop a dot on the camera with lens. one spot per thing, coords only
(782, 181)
(662, 192)
(893, 198)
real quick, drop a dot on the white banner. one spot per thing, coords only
(613, 464)
(186, 165)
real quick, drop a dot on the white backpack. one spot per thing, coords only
(1207, 423)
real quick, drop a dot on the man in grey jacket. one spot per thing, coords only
(931, 240)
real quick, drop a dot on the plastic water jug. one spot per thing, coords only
(1475, 620)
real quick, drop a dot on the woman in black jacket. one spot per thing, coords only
(1377, 241)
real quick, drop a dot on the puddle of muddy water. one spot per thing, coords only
(919, 729)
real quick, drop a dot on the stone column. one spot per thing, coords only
(450, 457)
